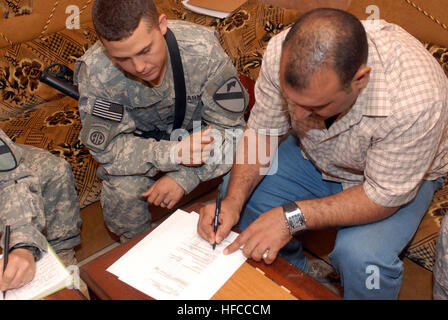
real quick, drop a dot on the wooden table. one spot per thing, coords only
(66, 294)
(252, 281)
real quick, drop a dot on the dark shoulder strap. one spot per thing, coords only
(179, 80)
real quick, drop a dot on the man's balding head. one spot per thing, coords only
(324, 39)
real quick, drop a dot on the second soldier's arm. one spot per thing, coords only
(21, 208)
(20, 202)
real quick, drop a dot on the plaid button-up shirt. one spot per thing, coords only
(393, 137)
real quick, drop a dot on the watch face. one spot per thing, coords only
(297, 221)
(294, 217)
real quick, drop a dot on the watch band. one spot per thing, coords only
(295, 220)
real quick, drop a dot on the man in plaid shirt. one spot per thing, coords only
(367, 105)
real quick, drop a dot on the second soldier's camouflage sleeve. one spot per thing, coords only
(225, 100)
(21, 207)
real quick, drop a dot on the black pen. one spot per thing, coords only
(217, 210)
(5, 252)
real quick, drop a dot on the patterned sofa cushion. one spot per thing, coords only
(243, 35)
(12, 8)
(422, 248)
(55, 126)
(22, 63)
(36, 114)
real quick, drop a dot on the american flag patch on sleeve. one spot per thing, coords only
(108, 110)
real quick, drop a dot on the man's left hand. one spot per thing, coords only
(165, 192)
(269, 231)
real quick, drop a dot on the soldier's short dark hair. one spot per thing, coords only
(117, 19)
(324, 38)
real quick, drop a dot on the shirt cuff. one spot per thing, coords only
(186, 178)
(163, 156)
(27, 236)
(37, 253)
(387, 200)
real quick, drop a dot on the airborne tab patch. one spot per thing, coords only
(230, 96)
(108, 110)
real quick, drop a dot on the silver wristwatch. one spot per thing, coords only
(294, 218)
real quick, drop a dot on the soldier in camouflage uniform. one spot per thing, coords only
(441, 264)
(38, 201)
(126, 86)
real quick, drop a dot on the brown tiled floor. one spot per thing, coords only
(94, 234)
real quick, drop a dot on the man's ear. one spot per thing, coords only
(361, 78)
(163, 23)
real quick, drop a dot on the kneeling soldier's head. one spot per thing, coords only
(132, 31)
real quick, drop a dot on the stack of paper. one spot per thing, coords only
(173, 262)
(214, 8)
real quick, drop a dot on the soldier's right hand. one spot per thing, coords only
(194, 150)
(227, 219)
(19, 271)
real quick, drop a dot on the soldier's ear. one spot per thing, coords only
(163, 23)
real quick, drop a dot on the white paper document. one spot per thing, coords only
(174, 263)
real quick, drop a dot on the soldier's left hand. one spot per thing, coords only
(19, 271)
(165, 192)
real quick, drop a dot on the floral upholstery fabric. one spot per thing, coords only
(440, 53)
(243, 35)
(422, 248)
(12, 8)
(33, 113)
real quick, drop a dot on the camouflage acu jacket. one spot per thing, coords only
(211, 81)
(21, 206)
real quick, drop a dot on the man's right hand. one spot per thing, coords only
(227, 219)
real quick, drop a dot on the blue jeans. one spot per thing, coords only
(365, 256)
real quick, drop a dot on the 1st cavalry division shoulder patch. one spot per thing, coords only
(230, 96)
